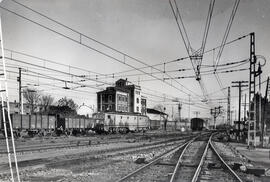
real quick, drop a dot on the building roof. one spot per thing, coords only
(117, 112)
(113, 89)
(154, 111)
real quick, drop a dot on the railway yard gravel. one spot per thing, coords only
(232, 157)
(109, 158)
(101, 162)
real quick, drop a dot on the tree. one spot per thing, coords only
(62, 110)
(32, 97)
(46, 101)
(65, 102)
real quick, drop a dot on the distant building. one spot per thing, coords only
(124, 97)
(265, 114)
(113, 99)
(156, 118)
(134, 94)
(14, 108)
(143, 105)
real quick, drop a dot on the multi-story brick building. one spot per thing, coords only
(124, 97)
(113, 99)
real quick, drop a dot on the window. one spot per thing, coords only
(137, 109)
(138, 100)
(110, 97)
(109, 116)
(103, 108)
(110, 107)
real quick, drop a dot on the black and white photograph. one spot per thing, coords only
(134, 91)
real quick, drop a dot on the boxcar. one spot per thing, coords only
(197, 124)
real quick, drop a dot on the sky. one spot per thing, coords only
(143, 29)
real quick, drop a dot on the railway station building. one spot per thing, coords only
(123, 97)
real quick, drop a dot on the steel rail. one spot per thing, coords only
(198, 170)
(82, 143)
(223, 161)
(180, 160)
(154, 161)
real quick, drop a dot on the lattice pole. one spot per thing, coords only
(6, 109)
(252, 94)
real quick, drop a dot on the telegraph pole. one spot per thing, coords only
(264, 109)
(229, 106)
(196, 113)
(179, 112)
(260, 101)
(215, 113)
(239, 84)
(245, 108)
(188, 112)
(19, 79)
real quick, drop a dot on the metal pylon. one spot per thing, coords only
(6, 110)
(229, 106)
(252, 94)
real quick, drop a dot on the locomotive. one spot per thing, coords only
(123, 122)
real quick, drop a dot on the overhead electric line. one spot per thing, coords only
(196, 56)
(59, 71)
(236, 4)
(224, 42)
(185, 69)
(105, 54)
(183, 58)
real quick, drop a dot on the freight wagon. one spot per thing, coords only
(197, 124)
(36, 124)
(42, 124)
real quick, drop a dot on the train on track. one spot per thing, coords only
(197, 124)
(101, 122)
(111, 122)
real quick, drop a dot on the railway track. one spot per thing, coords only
(76, 143)
(86, 156)
(154, 161)
(195, 160)
(209, 167)
(55, 146)
(214, 166)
